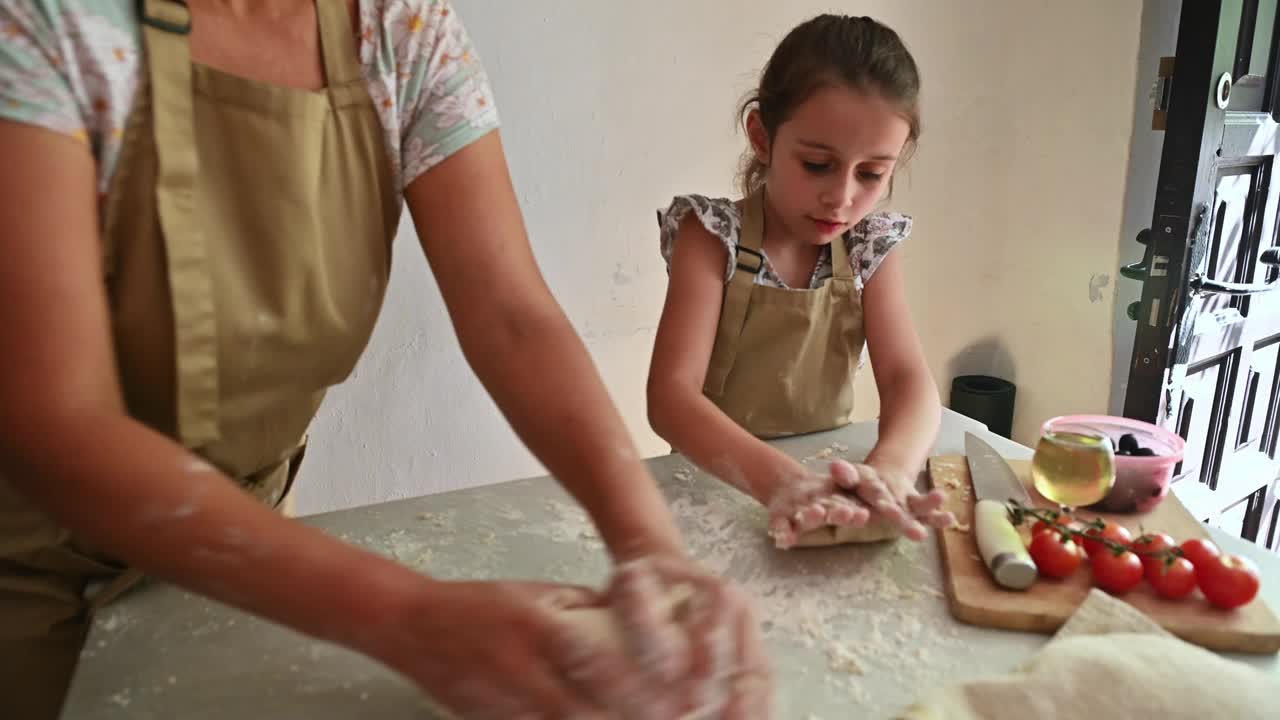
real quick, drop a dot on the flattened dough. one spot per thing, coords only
(1110, 662)
(877, 530)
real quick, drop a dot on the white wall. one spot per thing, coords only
(611, 108)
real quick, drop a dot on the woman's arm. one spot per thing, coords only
(492, 649)
(67, 444)
(526, 353)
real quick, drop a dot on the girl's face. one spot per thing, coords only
(830, 162)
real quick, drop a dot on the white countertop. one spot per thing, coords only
(855, 631)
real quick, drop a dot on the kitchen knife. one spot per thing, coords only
(995, 483)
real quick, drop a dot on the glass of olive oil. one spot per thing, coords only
(1074, 465)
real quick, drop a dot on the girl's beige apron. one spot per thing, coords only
(247, 242)
(784, 360)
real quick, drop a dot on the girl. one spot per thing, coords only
(772, 298)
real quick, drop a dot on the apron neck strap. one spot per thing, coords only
(840, 267)
(752, 238)
(752, 235)
(166, 26)
(337, 42)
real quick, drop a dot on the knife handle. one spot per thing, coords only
(1001, 546)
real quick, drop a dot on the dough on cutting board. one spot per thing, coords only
(876, 530)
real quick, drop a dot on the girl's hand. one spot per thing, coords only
(891, 493)
(808, 502)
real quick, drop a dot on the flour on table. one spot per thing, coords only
(827, 453)
(856, 620)
(845, 660)
(509, 514)
(111, 624)
(445, 521)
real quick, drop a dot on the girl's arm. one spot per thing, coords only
(909, 407)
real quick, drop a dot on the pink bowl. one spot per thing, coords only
(1141, 482)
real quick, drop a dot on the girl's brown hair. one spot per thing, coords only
(831, 50)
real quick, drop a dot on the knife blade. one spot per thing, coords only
(995, 483)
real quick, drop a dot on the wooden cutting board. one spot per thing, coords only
(976, 599)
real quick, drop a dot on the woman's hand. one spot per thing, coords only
(665, 640)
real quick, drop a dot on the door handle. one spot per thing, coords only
(1270, 257)
(1138, 271)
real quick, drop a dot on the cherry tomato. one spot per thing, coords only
(1228, 581)
(1199, 551)
(1061, 520)
(1056, 556)
(1116, 573)
(1109, 531)
(1174, 579)
(1148, 545)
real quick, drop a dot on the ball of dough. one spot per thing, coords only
(876, 530)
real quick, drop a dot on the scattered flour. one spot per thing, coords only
(870, 611)
(112, 623)
(826, 453)
(845, 660)
(445, 521)
(852, 620)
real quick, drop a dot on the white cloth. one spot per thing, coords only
(1111, 662)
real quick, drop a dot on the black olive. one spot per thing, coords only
(1128, 442)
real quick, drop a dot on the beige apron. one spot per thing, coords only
(784, 360)
(247, 243)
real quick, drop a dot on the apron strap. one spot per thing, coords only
(341, 60)
(737, 295)
(166, 25)
(840, 267)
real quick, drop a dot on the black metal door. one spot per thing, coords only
(1207, 339)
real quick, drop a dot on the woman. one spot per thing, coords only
(196, 214)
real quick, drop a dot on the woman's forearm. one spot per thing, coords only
(138, 497)
(542, 378)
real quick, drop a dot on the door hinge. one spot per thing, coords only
(1162, 94)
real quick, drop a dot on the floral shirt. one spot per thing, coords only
(868, 242)
(74, 67)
